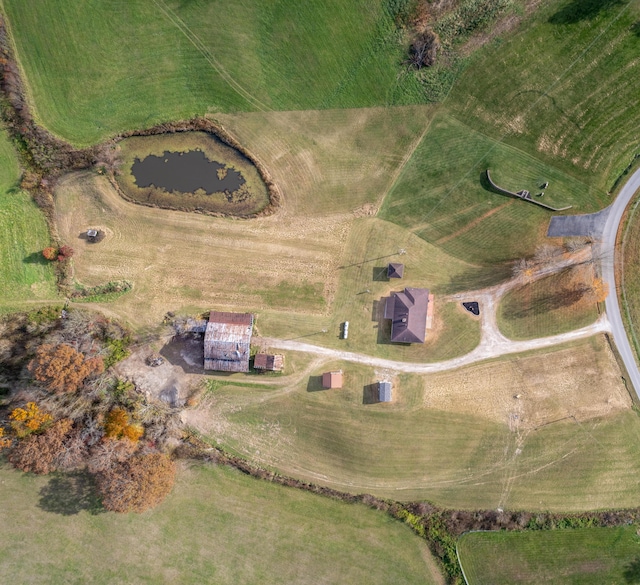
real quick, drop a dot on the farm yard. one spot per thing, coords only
(459, 438)
(377, 162)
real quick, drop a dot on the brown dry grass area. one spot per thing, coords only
(332, 166)
(331, 160)
(551, 386)
(178, 259)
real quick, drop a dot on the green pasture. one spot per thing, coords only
(548, 306)
(563, 88)
(442, 195)
(582, 556)
(94, 69)
(217, 526)
(24, 274)
(629, 292)
(405, 450)
(363, 285)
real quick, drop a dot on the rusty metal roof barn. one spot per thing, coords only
(227, 342)
(265, 361)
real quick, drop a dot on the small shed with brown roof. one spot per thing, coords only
(395, 270)
(332, 379)
(265, 361)
(227, 341)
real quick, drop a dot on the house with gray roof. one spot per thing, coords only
(408, 313)
(384, 391)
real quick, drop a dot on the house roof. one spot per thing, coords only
(384, 391)
(332, 379)
(265, 361)
(408, 313)
(395, 270)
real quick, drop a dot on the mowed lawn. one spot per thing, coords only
(442, 196)
(332, 166)
(24, 273)
(458, 438)
(554, 304)
(584, 556)
(362, 287)
(217, 526)
(629, 293)
(94, 69)
(564, 88)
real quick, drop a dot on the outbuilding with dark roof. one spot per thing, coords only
(395, 270)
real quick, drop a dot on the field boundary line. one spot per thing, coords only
(403, 163)
(202, 49)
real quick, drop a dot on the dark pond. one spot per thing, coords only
(185, 172)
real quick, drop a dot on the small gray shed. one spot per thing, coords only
(384, 391)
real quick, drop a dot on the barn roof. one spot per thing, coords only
(227, 342)
(408, 313)
(265, 361)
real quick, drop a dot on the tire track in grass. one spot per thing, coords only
(172, 17)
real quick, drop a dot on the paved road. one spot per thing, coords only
(607, 248)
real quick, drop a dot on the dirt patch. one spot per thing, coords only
(527, 392)
(167, 382)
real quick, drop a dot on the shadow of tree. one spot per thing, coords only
(545, 302)
(632, 571)
(578, 10)
(69, 494)
(36, 258)
(635, 28)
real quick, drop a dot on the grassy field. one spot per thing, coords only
(99, 68)
(563, 89)
(441, 195)
(24, 274)
(585, 556)
(629, 293)
(459, 438)
(554, 304)
(289, 261)
(362, 287)
(218, 526)
(139, 147)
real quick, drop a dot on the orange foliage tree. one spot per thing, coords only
(4, 440)
(599, 289)
(63, 369)
(38, 453)
(50, 253)
(137, 484)
(119, 426)
(28, 420)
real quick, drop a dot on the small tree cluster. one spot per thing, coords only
(65, 252)
(63, 369)
(4, 440)
(423, 50)
(137, 484)
(38, 453)
(50, 253)
(28, 420)
(119, 426)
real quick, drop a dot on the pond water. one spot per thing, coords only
(185, 172)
